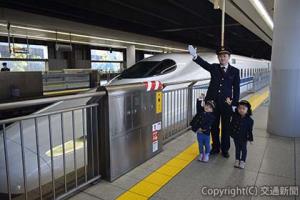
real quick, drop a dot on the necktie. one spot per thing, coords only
(223, 69)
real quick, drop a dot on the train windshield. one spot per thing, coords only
(145, 69)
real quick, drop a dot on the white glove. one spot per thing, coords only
(233, 108)
(193, 51)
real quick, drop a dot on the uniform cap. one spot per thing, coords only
(211, 103)
(223, 50)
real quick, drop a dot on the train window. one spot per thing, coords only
(139, 69)
(233, 61)
(163, 67)
(149, 68)
(241, 73)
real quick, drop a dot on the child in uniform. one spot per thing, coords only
(241, 126)
(201, 124)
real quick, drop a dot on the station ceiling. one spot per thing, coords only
(191, 22)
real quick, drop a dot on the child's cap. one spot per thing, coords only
(245, 103)
(211, 103)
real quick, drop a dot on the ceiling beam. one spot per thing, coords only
(197, 28)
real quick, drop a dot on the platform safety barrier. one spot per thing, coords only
(48, 155)
(56, 151)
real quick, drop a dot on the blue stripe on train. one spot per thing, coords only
(244, 81)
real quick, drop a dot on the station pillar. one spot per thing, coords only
(284, 109)
(130, 55)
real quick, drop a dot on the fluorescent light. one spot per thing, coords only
(263, 12)
(94, 37)
(63, 40)
(150, 50)
(216, 4)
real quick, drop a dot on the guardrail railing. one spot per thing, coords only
(50, 154)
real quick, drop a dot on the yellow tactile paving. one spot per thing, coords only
(192, 150)
(145, 188)
(175, 162)
(131, 195)
(184, 156)
(156, 180)
(169, 170)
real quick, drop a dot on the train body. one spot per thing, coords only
(180, 67)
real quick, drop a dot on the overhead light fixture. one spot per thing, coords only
(216, 4)
(64, 40)
(96, 38)
(263, 12)
(150, 50)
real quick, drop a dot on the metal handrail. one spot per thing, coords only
(188, 81)
(7, 106)
(10, 120)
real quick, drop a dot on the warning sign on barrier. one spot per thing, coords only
(154, 136)
(158, 102)
(154, 141)
(156, 126)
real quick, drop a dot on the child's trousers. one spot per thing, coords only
(240, 150)
(203, 141)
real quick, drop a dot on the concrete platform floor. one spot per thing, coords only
(272, 161)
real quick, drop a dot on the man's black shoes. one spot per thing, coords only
(225, 154)
(214, 151)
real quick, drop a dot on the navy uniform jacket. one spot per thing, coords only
(222, 84)
(241, 128)
(5, 69)
(202, 119)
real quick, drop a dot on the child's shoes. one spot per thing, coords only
(200, 158)
(206, 157)
(242, 164)
(237, 164)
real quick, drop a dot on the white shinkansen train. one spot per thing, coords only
(166, 68)
(180, 67)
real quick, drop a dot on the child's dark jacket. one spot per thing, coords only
(241, 127)
(202, 119)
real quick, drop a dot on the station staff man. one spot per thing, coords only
(4, 67)
(224, 83)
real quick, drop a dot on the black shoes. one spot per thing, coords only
(214, 151)
(225, 154)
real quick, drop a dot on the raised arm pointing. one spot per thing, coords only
(198, 59)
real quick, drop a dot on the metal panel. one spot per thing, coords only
(126, 153)
(128, 136)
